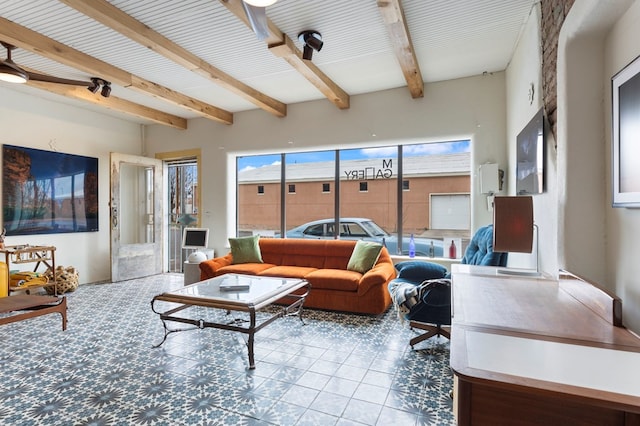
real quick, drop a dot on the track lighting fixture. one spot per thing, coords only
(95, 84)
(106, 89)
(312, 41)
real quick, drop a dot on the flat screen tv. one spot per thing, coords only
(530, 156)
(47, 192)
(195, 238)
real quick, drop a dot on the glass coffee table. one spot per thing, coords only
(234, 292)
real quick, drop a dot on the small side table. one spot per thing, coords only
(20, 254)
(191, 272)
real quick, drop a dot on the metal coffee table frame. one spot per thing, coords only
(260, 301)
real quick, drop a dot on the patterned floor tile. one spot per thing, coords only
(337, 369)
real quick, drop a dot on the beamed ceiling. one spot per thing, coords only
(169, 61)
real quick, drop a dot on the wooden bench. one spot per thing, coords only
(33, 306)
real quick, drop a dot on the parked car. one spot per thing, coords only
(364, 229)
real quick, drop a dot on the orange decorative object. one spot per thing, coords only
(4, 280)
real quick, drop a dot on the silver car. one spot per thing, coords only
(365, 229)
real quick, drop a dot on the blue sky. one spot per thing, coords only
(251, 162)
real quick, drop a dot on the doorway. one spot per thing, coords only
(182, 202)
(135, 217)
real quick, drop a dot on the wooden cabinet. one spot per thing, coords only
(528, 351)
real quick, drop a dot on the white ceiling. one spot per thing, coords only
(451, 38)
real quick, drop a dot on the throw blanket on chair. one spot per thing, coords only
(406, 295)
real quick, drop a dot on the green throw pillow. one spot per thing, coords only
(365, 255)
(245, 250)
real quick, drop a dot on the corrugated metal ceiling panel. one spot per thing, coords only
(452, 39)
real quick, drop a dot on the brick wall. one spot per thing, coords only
(553, 15)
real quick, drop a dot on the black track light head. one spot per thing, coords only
(106, 89)
(312, 41)
(94, 86)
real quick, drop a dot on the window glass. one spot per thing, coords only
(304, 170)
(368, 193)
(315, 230)
(431, 169)
(259, 213)
(182, 185)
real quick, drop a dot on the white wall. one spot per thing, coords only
(465, 108)
(623, 225)
(523, 73)
(596, 241)
(34, 122)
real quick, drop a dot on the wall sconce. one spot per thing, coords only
(513, 229)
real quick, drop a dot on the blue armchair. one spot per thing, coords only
(421, 292)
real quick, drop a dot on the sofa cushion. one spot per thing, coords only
(334, 279)
(244, 268)
(365, 255)
(245, 249)
(418, 270)
(287, 271)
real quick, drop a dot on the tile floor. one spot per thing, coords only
(338, 369)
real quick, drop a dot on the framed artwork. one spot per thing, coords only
(625, 127)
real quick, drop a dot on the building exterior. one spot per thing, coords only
(368, 188)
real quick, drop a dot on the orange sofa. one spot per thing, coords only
(323, 263)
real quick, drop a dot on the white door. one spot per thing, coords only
(136, 217)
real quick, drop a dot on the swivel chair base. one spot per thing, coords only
(431, 330)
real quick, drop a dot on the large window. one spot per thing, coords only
(259, 211)
(304, 172)
(369, 188)
(382, 194)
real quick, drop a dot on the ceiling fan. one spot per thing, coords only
(12, 73)
(256, 14)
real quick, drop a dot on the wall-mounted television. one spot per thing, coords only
(47, 192)
(530, 144)
(195, 238)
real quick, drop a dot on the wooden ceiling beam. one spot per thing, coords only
(116, 19)
(288, 51)
(282, 46)
(25, 38)
(112, 103)
(393, 17)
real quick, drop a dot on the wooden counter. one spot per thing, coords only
(540, 351)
